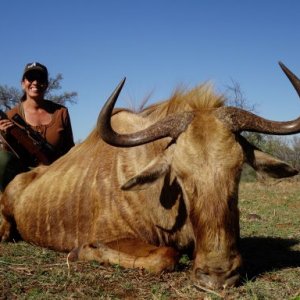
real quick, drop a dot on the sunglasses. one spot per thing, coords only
(36, 76)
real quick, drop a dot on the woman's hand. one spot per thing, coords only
(5, 124)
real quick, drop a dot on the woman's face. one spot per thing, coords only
(34, 84)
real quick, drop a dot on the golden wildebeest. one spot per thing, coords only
(145, 187)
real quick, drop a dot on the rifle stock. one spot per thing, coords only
(28, 145)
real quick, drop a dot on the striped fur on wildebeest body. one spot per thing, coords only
(145, 187)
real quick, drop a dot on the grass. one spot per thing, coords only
(270, 229)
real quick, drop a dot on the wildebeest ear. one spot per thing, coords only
(265, 163)
(156, 169)
(272, 166)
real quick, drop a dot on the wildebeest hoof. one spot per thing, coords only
(74, 254)
(80, 252)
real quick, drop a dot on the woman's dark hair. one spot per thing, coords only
(23, 98)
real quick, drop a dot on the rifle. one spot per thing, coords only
(28, 145)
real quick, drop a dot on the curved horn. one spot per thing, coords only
(241, 120)
(292, 77)
(171, 126)
(103, 122)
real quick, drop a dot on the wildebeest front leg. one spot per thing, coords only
(5, 230)
(8, 231)
(128, 254)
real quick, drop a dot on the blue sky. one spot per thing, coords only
(157, 45)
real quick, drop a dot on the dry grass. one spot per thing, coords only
(270, 228)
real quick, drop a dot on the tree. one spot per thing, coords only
(235, 97)
(10, 96)
(296, 151)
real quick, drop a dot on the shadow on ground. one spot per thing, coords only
(264, 254)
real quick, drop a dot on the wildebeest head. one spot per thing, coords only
(205, 156)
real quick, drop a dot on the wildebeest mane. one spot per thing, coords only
(201, 97)
(198, 98)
